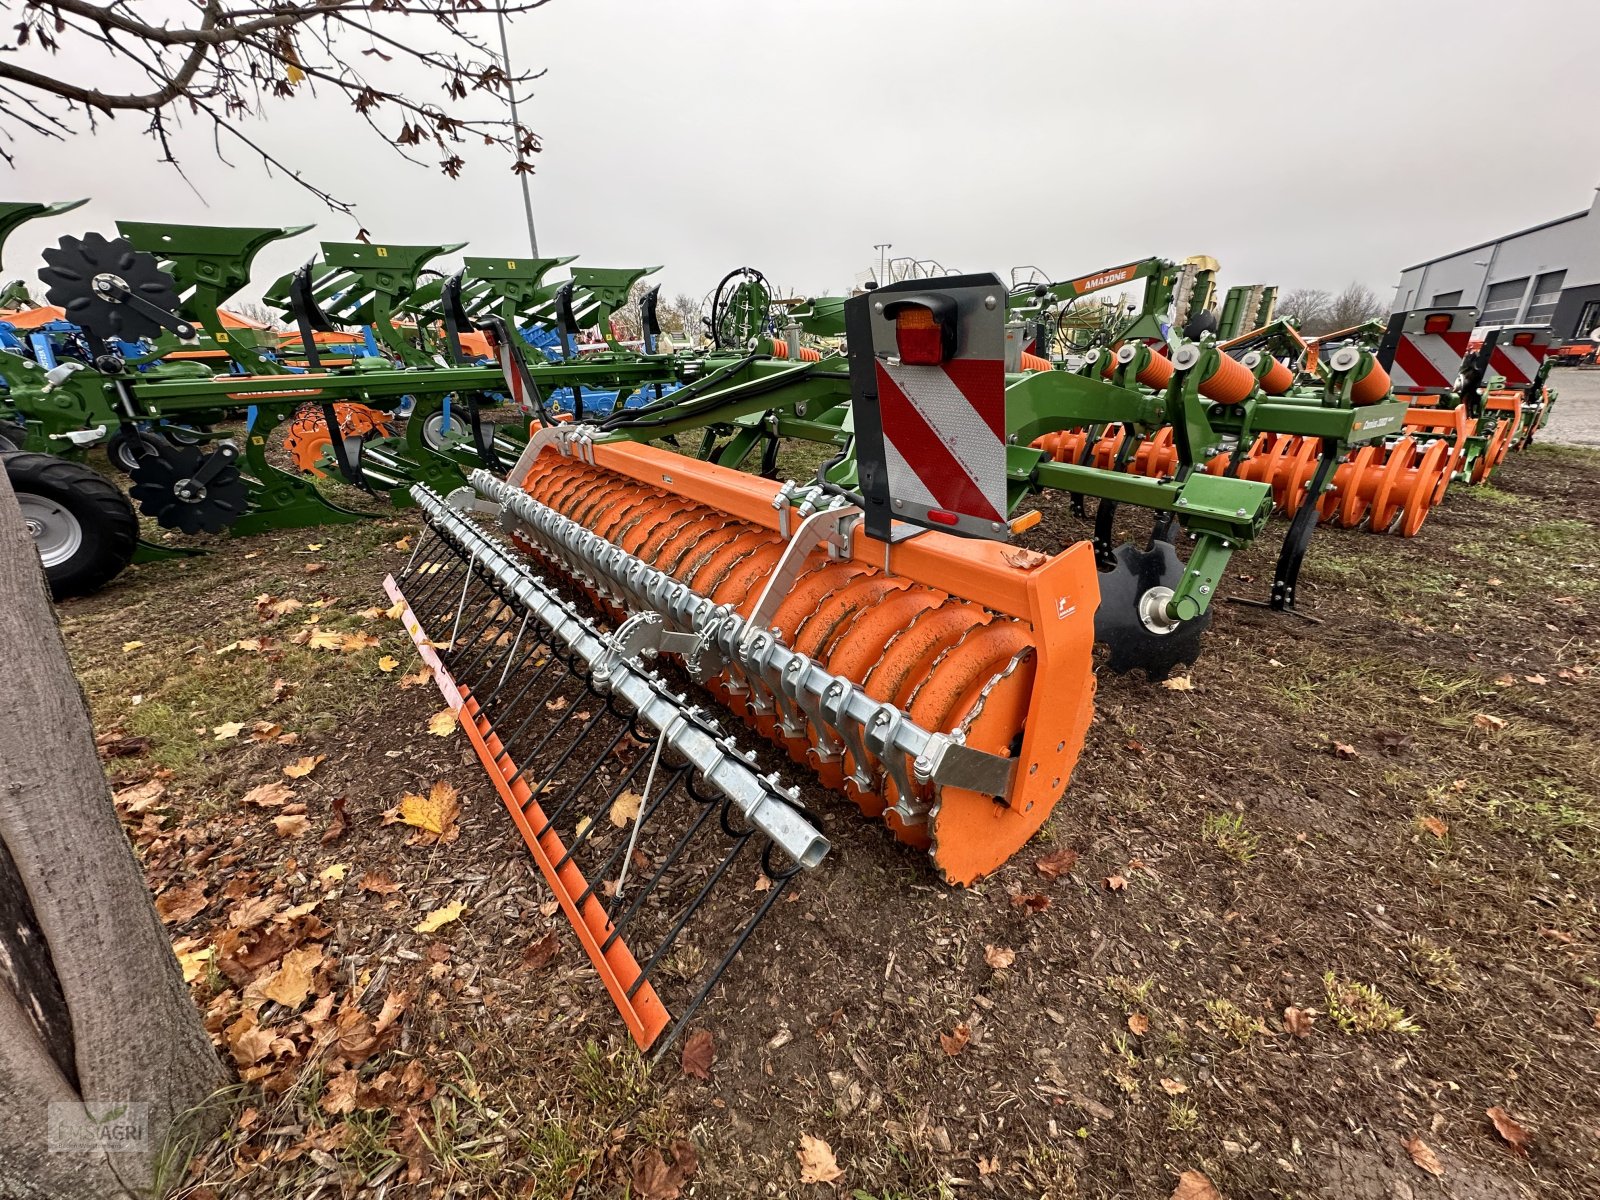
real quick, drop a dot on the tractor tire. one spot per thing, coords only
(13, 436)
(125, 449)
(83, 526)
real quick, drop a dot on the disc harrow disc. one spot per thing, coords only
(1128, 620)
(70, 276)
(164, 486)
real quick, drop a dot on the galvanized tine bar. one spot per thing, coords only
(707, 807)
(526, 617)
(689, 911)
(605, 867)
(471, 575)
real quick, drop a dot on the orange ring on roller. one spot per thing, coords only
(1385, 503)
(1371, 387)
(1230, 381)
(1276, 379)
(1032, 362)
(1156, 373)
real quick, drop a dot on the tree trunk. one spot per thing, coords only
(94, 1013)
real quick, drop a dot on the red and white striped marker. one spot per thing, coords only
(1429, 362)
(944, 431)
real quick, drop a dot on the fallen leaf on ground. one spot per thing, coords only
(538, 954)
(1298, 1021)
(396, 610)
(1434, 826)
(404, 543)
(353, 643)
(301, 767)
(379, 883)
(434, 814)
(1536, 680)
(388, 663)
(999, 957)
(334, 872)
(1138, 1024)
(656, 1179)
(130, 647)
(1174, 1087)
(141, 796)
(1031, 903)
(1192, 1185)
(1115, 883)
(180, 904)
(1056, 864)
(442, 723)
(421, 677)
(291, 982)
(439, 917)
(292, 826)
(340, 823)
(1488, 721)
(1507, 1126)
(817, 1163)
(1345, 750)
(699, 1052)
(1179, 683)
(956, 1040)
(1422, 1154)
(625, 808)
(227, 730)
(313, 568)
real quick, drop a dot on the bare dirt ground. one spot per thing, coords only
(1332, 904)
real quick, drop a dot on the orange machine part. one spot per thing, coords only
(1032, 362)
(1230, 383)
(643, 1012)
(1277, 379)
(1007, 663)
(307, 439)
(1156, 373)
(1371, 388)
(780, 349)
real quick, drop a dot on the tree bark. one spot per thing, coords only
(93, 1007)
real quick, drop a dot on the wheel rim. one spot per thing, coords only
(56, 532)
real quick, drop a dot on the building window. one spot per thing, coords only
(1447, 300)
(1546, 295)
(1503, 301)
(1589, 320)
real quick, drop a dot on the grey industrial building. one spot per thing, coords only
(1547, 274)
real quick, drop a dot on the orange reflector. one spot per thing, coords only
(1522, 339)
(918, 336)
(1438, 323)
(942, 517)
(1026, 521)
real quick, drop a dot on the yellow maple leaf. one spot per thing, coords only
(353, 642)
(130, 647)
(625, 808)
(396, 610)
(442, 723)
(388, 663)
(303, 766)
(325, 639)
(434, 813)
(194, 962)
(228, 729)
(439, 917)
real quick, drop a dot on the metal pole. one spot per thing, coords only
(883, 249)
(511, 93)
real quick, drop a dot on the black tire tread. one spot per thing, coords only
(101, 507)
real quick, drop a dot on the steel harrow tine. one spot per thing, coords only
(578, 738)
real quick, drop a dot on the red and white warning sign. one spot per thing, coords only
(1428, 354)
(944, 432)
(928, 381)
(1518, 354)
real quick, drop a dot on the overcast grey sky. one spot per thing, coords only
(1301, 143)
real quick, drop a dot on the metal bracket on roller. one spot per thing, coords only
(832, 527)
(778, 680)
(569, 440)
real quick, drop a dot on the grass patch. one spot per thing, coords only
(1361, 1008)
(1431, 964)
(1229, 834)
(1232, 1021)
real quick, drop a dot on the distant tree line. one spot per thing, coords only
(1320, 311)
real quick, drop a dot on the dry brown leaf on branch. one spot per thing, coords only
(442, 723)
(817, 1163)
(1508, 1127)
(699, 1052)
(1193, 1185)
(537, 955)
(999, 957)
(179, 904)
(439, 917)
(956, 1040)
(304, 765)
(1422, 1154)
(1056, 864)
